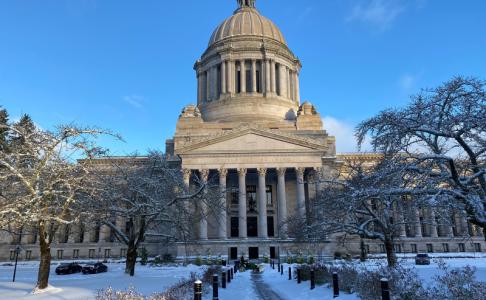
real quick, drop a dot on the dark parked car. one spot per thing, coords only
(68, 268)
(94, 268)
(422, 259)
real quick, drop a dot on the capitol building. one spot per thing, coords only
(267, 148)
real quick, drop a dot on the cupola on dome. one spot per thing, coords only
(247, 21)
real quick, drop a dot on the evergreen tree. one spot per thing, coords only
(24, 125)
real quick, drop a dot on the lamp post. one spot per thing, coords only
(17, 251)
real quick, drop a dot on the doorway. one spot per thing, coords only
(233, 253)
(252, 226)
(253, 253)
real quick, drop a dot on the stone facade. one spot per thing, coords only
(250, 130)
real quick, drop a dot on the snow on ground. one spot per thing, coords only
(147, 280)
(150, 280)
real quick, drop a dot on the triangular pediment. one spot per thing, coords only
(252, 140)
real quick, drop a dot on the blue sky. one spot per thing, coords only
(127, 65)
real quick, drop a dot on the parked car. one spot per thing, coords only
(422, 259)
(93, 268)
(68, 268)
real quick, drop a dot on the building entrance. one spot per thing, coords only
(253, 253)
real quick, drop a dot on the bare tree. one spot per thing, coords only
(149, 198)
(365, 200)
(44, 187)
(443, 132)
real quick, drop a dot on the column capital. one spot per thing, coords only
(281, 171)
(242, 171)
(262, 171)
(300, 171)
(186, 173)
(204, 174)
(223, 172)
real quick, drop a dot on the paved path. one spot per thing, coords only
(262, 289)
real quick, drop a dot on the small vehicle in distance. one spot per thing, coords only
(94, 268)
(422, 259)
(68, 268)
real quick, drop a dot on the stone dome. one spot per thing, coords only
(247, 21)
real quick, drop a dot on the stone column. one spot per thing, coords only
(282, 202)
(104, 234)
(186, 174)
(216, 93)
(283, 80)
(433, 224)
(208, 85)
(121, 223)
(242, 203)
(87, 234)
(223, 77)
(199, 79)
(464, 229)
(273, 77)
(418, 224)
(262, 204)
(268, 85)
(289, 89)
(73, 235)
(253, 76)
(230, 76)
(300, 192)
(401, 219)
(297, 88)
(222, 230)
(243, 76)
(203, 222)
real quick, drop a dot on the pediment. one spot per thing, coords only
(252, 140)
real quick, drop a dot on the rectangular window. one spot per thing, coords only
(398, 248)
(382, 248)
(107, 253)
(413, 248)
(234, 196)
(445, 247)
(91, 253)
(252, 226)
(258, 82)
(273, 254)
(269, 195)
(251, 198)
(12, 254)
(462, 247)
(477, 247)
(430, 248)
(219, 88)
(28, 254)
(248, 80)
(277, 79)
(238, 81)
(270, 226)
(60, 253)
(123, 252)
(233, 253)
(367, 249)
(75, 253)
(234, 227)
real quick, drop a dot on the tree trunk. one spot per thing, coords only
(131, 259)
(363, 255)
(390, 251)
(45, 259)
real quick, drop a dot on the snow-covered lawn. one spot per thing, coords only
(147, 280)
(150, 280)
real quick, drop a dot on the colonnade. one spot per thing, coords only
(267, 77)
(222, 214)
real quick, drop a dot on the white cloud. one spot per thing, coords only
(344, 133)
(135, 101)
(379, 13)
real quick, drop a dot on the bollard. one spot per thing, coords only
(290, 273)
(198, 290)
(281, 270)
(279, 265)
(235, 269)
(298, 276)
(223, 279)
(223, 263)
(228, 276)
(335, 284)
(313, 279)
(231, 272)
(385, 289)
(215, 287)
